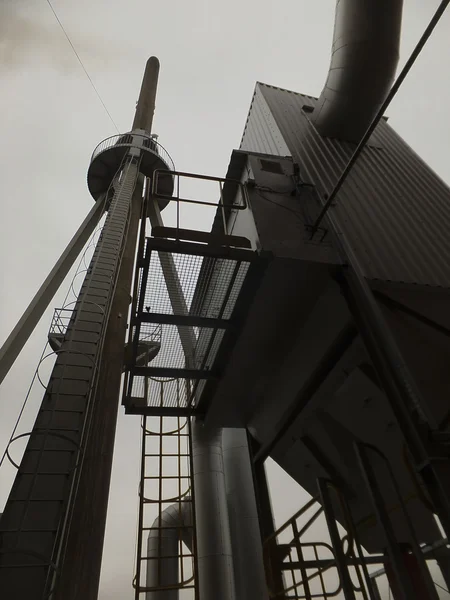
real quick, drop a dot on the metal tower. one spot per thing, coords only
(313, 333)
(51, 531)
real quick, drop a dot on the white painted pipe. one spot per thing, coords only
(214, 553)
(249, 572)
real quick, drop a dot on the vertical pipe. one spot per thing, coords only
(243, 513)
(143, 119)
(214, 554)
(30, 318)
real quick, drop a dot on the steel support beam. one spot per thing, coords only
(185, 320)
(176, 373)
(174, 289)
(32, 315)
(323, 563)
(401, 391)
(274, 574)
(341, 561)
(396, 305)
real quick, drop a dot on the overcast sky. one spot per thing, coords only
(211, 56)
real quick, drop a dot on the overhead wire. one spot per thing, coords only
(82, 64)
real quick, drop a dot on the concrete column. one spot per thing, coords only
(249, 572)
(214, 555)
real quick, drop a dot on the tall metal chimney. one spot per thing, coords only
(52, 528)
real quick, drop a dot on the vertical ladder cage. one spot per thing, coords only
(166, 558)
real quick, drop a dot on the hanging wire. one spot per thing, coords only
(82, 65)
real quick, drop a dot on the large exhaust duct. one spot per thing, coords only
(364, 59)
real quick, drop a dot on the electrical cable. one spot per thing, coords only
(291, 210)
(398, 82)
(269, 189)
(82, 65)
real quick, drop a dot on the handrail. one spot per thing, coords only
(293, 518)
(128, 140)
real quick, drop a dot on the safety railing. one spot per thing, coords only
(60, 321)
(298, 569)
(231, 195)
(135, 140)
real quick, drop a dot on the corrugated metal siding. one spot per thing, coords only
(261, 133)
(394, 210)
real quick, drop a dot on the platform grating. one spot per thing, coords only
(185, 303)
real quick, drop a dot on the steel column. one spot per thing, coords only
(174, 289)
(32, 315)
(274, 575)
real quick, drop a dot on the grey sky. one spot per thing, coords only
(211, 55)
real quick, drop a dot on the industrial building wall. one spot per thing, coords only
(393, 208)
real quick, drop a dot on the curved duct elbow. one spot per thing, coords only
(174, 525)
(363, 63)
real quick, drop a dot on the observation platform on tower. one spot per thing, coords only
(109, 155)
